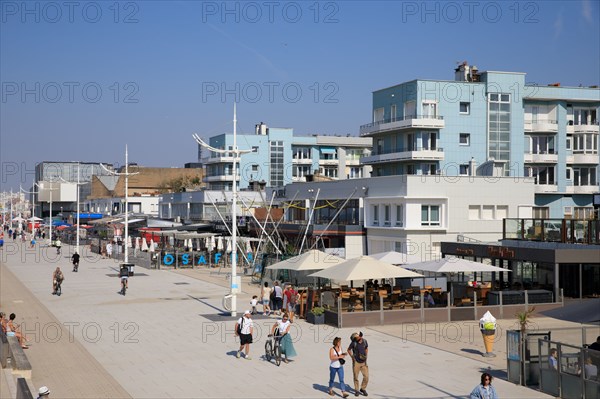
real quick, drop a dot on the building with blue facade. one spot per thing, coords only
(279, 158)
(492, 124)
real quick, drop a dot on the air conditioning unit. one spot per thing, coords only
(387, 223)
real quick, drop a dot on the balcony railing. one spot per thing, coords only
(403, 122)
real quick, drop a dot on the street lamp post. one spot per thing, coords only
(77, 211)
(32, 209)
(126, 174)
(236, 154)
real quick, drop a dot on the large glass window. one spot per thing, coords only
(541, 174)
(585, 143)
(386, 215)
(399, 215)
(301, 153)
(541, 144)
(300, 170)
(430, 215)
(376, 215)
(499, 128)
(356, 172)
(276, 150)
(584, 176)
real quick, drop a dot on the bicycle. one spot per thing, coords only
(273, 349)
(75, 266)
(123, 286)
(58, 289)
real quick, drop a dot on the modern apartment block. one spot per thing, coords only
(279, 158)
(492, 124)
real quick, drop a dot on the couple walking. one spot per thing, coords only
(358, 351)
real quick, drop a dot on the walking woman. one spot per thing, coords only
(287, 346)
(485, 390)
(265, 295)
(336, 357)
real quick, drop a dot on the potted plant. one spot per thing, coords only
(316, 315)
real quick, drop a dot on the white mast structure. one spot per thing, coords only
(236, 154)
(126, 174)
(78, 184)
(32, 209)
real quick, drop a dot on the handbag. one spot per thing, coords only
(342, 361)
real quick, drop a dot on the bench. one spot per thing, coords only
(19, 362)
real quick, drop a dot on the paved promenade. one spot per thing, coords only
(166, 338)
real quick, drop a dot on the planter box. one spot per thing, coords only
(311, 318)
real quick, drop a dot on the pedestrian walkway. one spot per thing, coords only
(167, 338)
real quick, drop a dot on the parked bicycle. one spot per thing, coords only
(273, 349)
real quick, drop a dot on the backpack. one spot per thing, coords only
(239, 326)
(273, 296)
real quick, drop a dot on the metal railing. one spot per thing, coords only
(399, 119)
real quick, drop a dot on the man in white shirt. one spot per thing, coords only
(244, 329)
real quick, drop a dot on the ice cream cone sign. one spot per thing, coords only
(487, 325)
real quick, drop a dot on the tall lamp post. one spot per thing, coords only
(32, 209)
(126, 174)
(77, 211)
(41, 186)
(236, 154)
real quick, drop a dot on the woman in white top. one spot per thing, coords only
(287, 346)
(265, 295)
(336, 356)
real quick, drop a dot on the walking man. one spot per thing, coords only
(358, 351)
(244, 329)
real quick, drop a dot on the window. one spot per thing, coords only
(465, 108)
(568, 146)
(386, 215)
(499, 114)
(541, 174)
(585, 143)
(501, 212)
(378, 115)
(276, 174)
(329, 171)
(584, 212)
(464, 169)
(569, 174)
(429, 109)
(255, 168)
(584, 176)
(399, 215)
(465, 139)
(487, 212)
(376, 215)
(301, 153)
(300, 170)
(356, 172)
(430, 215)
(474, 212)
(255, 148)
(541, 212)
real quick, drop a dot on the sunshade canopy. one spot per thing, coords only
(311, 260)
(454, 265)
(364, 268)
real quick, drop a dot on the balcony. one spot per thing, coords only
(591, 128)
(302, 161)
(218, 159)
(401, 155)
(329, 162)
(545, 188)
(541, 126)
(408, 122)
(218, 178)
(582, 159)
(548, 157)
(582, 189)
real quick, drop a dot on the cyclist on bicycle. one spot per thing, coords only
(124, 274)
(75, 260)
(283, 327)
(58, 244)
(57, 279)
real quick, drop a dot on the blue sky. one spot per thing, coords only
(79, 83)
